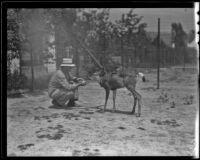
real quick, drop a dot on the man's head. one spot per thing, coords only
(66, 69)
(67, 65)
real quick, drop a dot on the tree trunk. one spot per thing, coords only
(135, 56)
(59, 45)
(20, 63)
(132, 59)
(77, 58)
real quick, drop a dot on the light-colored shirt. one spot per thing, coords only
(59, 81)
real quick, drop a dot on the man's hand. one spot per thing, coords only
(75, 79)
(80, 79)
(83, 83)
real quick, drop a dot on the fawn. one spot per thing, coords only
(126, 78)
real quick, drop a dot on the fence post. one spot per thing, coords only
(122, 56)
(158, 56)
(32, 69)
(184, 52)
(77, 58)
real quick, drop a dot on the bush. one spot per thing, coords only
(15, 80)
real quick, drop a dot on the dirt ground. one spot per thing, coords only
(166, 126)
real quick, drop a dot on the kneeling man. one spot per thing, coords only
(63, 88)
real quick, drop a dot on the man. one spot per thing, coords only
(62, 87)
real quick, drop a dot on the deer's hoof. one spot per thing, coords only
(133, 112)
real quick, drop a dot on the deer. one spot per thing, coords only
(111, 81)
(115, 80)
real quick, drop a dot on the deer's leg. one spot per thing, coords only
(134, 105)
(106, 99)
(135, 99)
(114, 97)
(139, 97)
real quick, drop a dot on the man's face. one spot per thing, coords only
(66, 69)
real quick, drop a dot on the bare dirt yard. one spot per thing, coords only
(166, 126)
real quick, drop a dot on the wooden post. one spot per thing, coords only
(32, 70)
(135, 50)
(184, 52)
(175, 51)
(145, 57)
(158, 56)
(59, 45)
(104, 47)
(20, 62)
(122, 55)
(77, 59)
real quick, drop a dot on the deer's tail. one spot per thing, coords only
(141, 75)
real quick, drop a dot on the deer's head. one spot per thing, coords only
(102, 72)
(97, 75)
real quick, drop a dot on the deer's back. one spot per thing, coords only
(129, 77)
(116, 82)
(130, 81)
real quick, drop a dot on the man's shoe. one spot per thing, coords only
(73, 103)
(77, 104)
(54, 102)
(70, 103)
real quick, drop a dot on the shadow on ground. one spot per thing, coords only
(36, 93)
(116, 111)
(16, 96)
(58, 107)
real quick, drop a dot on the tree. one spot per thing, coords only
(179, 38)
(62, 21)
(16, 79)
(130, 29)
(141, 41)
(32, 34)
(94, 28)
(13, 39)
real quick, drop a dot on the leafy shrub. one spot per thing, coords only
(15, 80)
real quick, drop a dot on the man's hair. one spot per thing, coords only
(65, 67)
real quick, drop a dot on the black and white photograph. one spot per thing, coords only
(102, 82)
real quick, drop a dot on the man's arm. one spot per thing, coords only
(65, 84)
(75, 79)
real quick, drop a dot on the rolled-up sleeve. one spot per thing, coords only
(64, 83)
